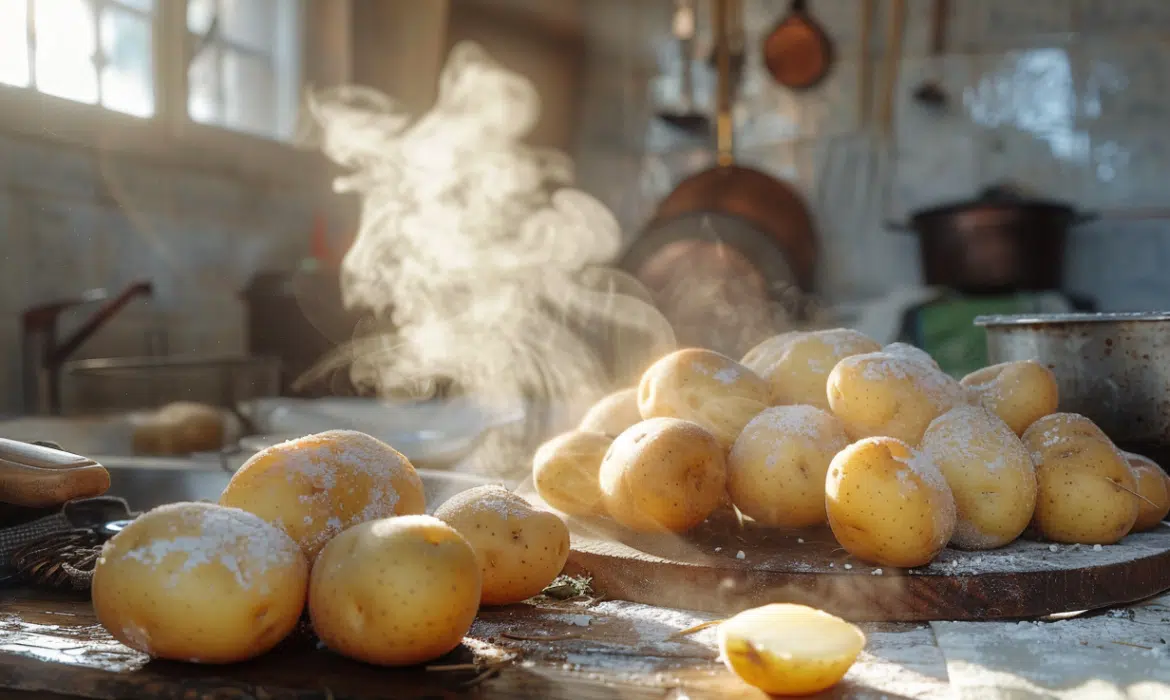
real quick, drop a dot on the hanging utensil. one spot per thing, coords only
(886, 164)
(798, 53)
(736, 46)
(931, 92)
(686, 118)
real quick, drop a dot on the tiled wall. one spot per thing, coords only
(1070, 98)
(73, 219)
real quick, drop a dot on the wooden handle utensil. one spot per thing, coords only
(40, 477)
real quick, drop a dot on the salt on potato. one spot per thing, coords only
(797, 368)
(990, 473)
(879, 394)
(395, 592)
(776, 468)
(889, 504)
(1018, 392)
(1153, 485)
(521, 549)
(318, 485)
(564, 472)
(907, 351)
(201, 583)
(706, 388)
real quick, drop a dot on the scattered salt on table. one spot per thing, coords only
(1052, 548)
(848, 566)
(740, 555)
(876, 572)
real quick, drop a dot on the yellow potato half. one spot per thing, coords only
(878, 394)
(888, 503)
(706, 388)
(564, 472)
(612, 414)
(520, 549)
(990, 474)
(395, 592)
(776, 469)
(201, 583)
(663, 474)
(1154, 486)
(786, 649)
(797, 369)
(1020, 393)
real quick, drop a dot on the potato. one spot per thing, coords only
(1085, 485)
(878, 394)
(1154, 486)
(703, 387)
(1018, 392)
(786, 649)
(396, 591)
(776, 469)
(765, 354)
(564, 472)
(663, 474)
(180, 428)
(316, 486)
(612, 414)
(990, 474)
(797, 371)
(888, 503)
(201, 583)
(520, 549)
(909, 352)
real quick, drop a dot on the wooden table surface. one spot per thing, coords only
(51, 646)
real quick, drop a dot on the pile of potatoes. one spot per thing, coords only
(818, 428)
(333, 524)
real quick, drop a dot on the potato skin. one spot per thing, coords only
(883, 395)
(663, 474)
(797, 365)
(1084, 482)
(706, 388)
(888, 504)
(520, 549)
(318, 485)
(911, 352)
(201, 583)
(564, 472)
(612, 414)
(990, 473)
(395, 592)
(1154, 486)
(1018, 392)
(776, 468)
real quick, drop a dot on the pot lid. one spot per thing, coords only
(1000, 196)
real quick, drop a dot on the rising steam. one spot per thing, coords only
(488, 262)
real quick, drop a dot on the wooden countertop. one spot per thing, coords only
(52, 645)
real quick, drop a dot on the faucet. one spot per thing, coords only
(43, 356)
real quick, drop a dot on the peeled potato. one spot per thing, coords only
(879, 394)
(1085, 485)
(1154, 486)
(396, 591)
(564, 472)
(316, 486)
(704, 387)
(888, 503)
(776, 469)
(612, 414)
(1018, 392)
(201, 583)
(520, 549)
(909, 352)
(990, 474)
(663, 474)
(786, 649)
(797, 370)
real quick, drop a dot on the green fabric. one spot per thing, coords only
(946, 330)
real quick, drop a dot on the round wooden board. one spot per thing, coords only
(702, 571)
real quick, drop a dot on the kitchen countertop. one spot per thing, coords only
(52, 644)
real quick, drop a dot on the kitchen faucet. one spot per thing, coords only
(43, 356)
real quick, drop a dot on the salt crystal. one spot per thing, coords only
(740, 555)
(718, 549)
(876, 572)
(848, 566)
(1052, 548)
(1097, 548)
(832, 565)
(800, 540)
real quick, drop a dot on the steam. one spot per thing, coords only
(488, 262)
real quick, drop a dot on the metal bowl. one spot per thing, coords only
(1113, 368)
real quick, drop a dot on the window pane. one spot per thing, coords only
(199, 14)
(127, 77)
(252, 23)
(203, 87)
(14, 42)
(249, 94)
(65, 46)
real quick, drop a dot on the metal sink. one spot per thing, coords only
(145, 483)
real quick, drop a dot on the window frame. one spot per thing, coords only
(170, 136)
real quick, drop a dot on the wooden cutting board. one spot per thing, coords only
(721, 569)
